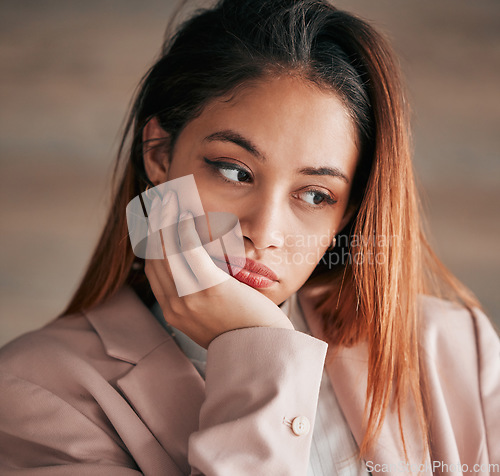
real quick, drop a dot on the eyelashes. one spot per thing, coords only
(324, 197)
(236, 175)
(230, 172)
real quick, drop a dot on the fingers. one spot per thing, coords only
(199, 261)
(163, 285)
(165, 218)
(188, 267)
(165, 272)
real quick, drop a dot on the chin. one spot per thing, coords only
(276, 296)
(272, 295)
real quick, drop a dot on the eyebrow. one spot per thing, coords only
(228, 135)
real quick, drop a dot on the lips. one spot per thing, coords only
(250, 272)
(253, 267)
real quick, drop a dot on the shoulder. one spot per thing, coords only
(54, 381)
(464, 340)
(445, 320)
(64, 354)
(62, 337)
(88, 349)
(460, 352)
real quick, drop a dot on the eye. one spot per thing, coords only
(317, 198)
(230, 172)
(235, 174)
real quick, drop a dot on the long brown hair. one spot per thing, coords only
(222, 48)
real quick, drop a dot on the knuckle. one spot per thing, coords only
(192, 303)
(182, 226)
(178, 307)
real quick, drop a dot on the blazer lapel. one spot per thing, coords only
(163, 386)
(347, 368)
(167, 392)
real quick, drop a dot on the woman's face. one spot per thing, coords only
(281, 156)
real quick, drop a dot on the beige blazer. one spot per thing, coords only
(108, 392)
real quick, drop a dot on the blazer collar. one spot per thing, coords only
(347, 368)
(130, 332)
(126, 327)
(162, 386)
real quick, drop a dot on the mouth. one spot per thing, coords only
(249, 272)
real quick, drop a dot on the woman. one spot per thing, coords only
(290, 116)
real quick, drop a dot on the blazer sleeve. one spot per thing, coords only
(262, 387)
(488, 345)
(41, 434)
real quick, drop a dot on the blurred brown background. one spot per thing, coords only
(69, 69)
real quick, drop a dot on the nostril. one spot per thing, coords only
(278, 238)
(274, 239)
(263, 228)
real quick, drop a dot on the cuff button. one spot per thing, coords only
(301, 425)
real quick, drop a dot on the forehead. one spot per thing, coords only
(285, 100)
(284, 116)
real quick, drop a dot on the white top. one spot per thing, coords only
(333, 448)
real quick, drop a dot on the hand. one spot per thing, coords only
(226, 305)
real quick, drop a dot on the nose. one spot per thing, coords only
(263, 222)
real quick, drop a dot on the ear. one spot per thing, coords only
(156, 160)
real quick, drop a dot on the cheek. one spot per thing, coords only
(303, 251)
(211, 199)
(216, 196)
